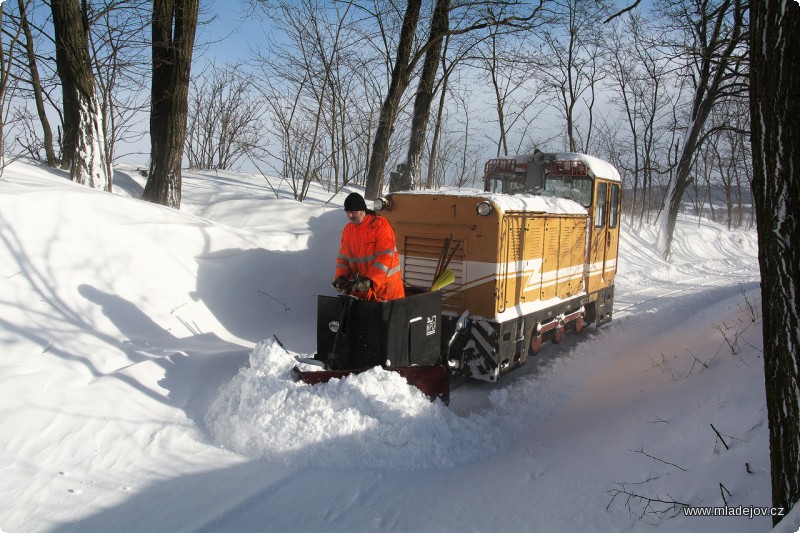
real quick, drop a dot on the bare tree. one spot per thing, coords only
(322, 77)
(774, 108)
(36, 85)
(325, 47)
(6, 64)
(712, 44)
(315, 85)
(731, 152)
(482, 16)
(570, 67)
(119, 50)
(658, 101)
(173, 30)
(401, 77)
(224, 123)
(640, 78)
(425, 92)
(456, 52)
(506, 60)
(623, 11)
(706, 173)
(460, 159)
(433, 154)
(84, 148)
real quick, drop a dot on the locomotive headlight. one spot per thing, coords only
(379, 204)
(484, 208)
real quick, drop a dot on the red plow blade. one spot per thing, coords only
(432, 381)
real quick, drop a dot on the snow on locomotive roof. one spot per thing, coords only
(536, 203)
(597, 167)
(514, 202)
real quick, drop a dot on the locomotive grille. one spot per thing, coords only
(515, 244)
(421, 257)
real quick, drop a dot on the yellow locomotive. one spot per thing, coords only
(532, 255)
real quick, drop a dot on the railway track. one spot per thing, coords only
(628, 301)
(647, 293)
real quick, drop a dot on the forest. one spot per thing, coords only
(346, 91)
(691, 100)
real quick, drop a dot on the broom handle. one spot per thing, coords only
(442, 255)
(451, 255)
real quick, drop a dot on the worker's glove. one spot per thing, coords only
(362, 285)
(339, 284)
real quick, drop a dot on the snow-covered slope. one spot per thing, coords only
(141, 388)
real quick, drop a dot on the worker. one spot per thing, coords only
(368, 263)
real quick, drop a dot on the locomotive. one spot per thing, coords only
(528, 258)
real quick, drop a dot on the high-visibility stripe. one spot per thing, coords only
(368, 258)
(369, 250)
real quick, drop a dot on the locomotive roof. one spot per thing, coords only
(534, 203)
(598, 168)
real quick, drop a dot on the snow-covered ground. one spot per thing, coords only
(141, 388)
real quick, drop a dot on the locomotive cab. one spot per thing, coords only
(535, 255)
(541, 173)
(529, 257)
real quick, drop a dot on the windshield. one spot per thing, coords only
(577, 188)
(504, 184)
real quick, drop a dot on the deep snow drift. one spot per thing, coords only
(141, 388)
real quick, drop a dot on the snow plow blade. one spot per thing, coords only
(432, 381)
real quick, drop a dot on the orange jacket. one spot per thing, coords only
(369, 250)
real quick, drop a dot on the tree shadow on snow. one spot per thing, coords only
(258, 293)
(194, 366)
(255, 496)
(253, 293)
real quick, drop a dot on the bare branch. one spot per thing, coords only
(622, 12)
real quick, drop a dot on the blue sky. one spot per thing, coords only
(227, 31)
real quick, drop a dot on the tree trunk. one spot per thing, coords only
(422, 102)
(36, 84)
(401, 76)
(680, 183)
(84, 147)
(722, 30)
(3, 84)
(774, 108)
(173, 29)
(437, 127)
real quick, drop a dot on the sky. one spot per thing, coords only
(229, 29)
(142, 387)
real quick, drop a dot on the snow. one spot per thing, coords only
(517, 202)
(597, 167)
(142, 387)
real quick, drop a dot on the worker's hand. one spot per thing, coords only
(339, 284)
(362, 285)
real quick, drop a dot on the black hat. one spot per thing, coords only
(354, 202)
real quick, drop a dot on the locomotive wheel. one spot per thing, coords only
(536, 344)
(558, 334)
(579, 324)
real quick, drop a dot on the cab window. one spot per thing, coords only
(504, 185)
(600, 206)
(613, 209)
(577, 188)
